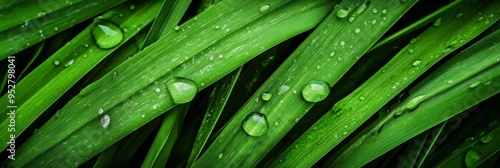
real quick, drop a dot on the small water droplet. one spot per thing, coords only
(413, 103)
(264, 8)
(69, 63)
(157, 90)
(332, 53)
(315, 91)
(216, 27)
(384, 11)
(177, 28)
(221, 56)
(357, 30)
(437, 23)
(100, 111)
(266, 96)
(283, 89)
(56, 28)
(351, 19)
(143, 116)
(131, 7)
(182, 90)
(56, 62)
(487, 138)
(410, 51)
(472, 157)
(480, 19)
(374, 10)
(220, 155)
(105, 121)
(417, 62)
(474, 84)
(361, 98)
(449, 81)
(452, 43)
(459, 15)
(342, 13)
(255, 124)
(412, 41)
(106, 34)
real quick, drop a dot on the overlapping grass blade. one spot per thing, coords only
(25, 23)
(345, 35)
(465, 80)
(167, 135)
(135, 82)
(44, 85)
(217, 102)
(413, 60)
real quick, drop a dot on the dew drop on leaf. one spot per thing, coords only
(56, 62)
(105, 121)
(182, 90)
(437, 23)
(69, 63)
(472, 157)
(315, 91)
(100, 111)
(266, 96)
(264, 8)
(106, 34)
(342, 13)
(413, 103)
(474, 84)
(255, 124)
(487, 138)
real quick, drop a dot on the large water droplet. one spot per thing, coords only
(413, 103)
(264, 8)
(106, 34)
(472, 157)
(69, 63)
(266, 96)
(342, 13)
(105, 121)
(315, 91)
(182, 90)
(487, 138)
(255, 124)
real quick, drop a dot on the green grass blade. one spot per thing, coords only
(413, 60)
(32, 59)
(325, 56)
(477, 63)
(167, 135)
(217, 102)
(136, 81)
(26, 23)
(418, 24)
(44, 85)
(169, 16)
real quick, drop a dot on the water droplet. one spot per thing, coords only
(105, 121)
(480, 19)
(56, 28)
(332, 53)
(157, 90)
(384, 11)
(255, 124)
(351, 19)
(449, 81)
(266, 96)
(452, 43)
(410, 51)
(131, 7)
(412, 41)
(417, 62)
(357, 30)
(374, 10)
(361, 98)
(220, 155)
(264, 8)
(177, 27)
(106, 34)
(69, 63)
(413, 103)
(342, 13)
(283, 89)
(216, 27)
(100, 111)
(56, 62)
(487, 138)
(459, 15)
(315, 91)
(437, 23)
(474, 84)
(472, 157)
(182, 90)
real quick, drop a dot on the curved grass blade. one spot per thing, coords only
(167, 135)
(412, 61)
(25, 23)
(32, 59)
(337, 43)
(217, 102)
(477, 63)
(134, 89)
(45, 84)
